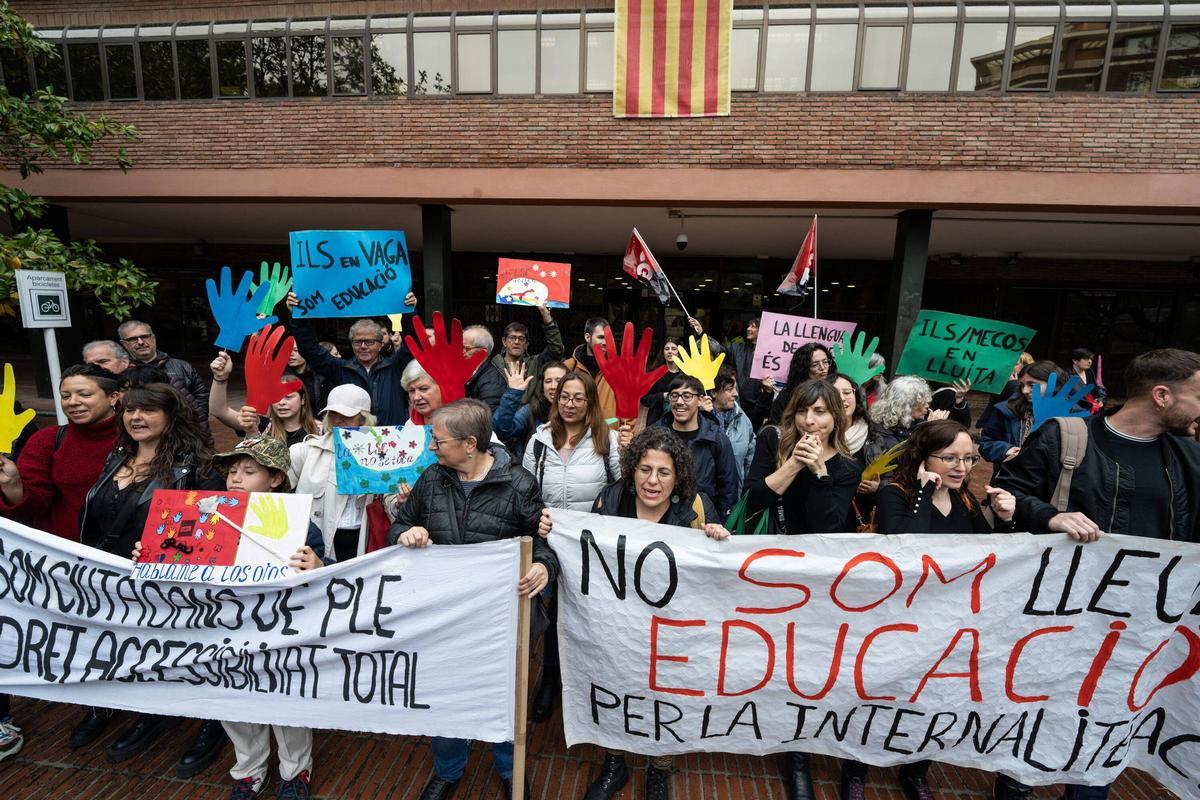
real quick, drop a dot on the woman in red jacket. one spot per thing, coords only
(47, 484)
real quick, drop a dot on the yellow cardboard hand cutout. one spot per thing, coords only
(11, 423)
(699, 363)
(884, 464)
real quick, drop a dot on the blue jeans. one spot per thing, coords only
(1086, 792)
(450, 757)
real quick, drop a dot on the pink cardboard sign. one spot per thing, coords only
(780, 335)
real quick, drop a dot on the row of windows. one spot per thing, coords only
(928, 48)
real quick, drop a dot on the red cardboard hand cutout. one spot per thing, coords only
(443, 358)
(265, 361)
(625, 373)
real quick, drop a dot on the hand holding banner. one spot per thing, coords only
(443, 358)
(854, 360)
(11, 423)
(236, 310)
(1048, 403)
(699, 363)
(265, 362)
(280, 281)
(625, 372)
(533, 283)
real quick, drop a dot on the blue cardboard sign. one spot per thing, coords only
(350, 273)
(377, 460)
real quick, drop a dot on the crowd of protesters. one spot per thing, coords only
(537, 431)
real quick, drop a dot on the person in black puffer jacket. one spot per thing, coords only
(473, 494)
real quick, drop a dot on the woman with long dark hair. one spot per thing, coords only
(526, 403)
(655, 399)
(811, 362)
(160, 445)
(1011, 421)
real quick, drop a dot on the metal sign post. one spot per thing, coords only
(43, 300)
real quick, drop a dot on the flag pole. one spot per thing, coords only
(816, 272)
(672, 288)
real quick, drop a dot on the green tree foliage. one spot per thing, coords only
(37, 129)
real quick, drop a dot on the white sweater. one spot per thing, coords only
(574, 485)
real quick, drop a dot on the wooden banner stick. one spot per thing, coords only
(524, 608)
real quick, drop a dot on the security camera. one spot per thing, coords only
(681, 241)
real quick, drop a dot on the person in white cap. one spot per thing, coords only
(342, 518)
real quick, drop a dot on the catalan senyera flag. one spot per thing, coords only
(672, 58)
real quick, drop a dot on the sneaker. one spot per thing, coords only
(11, 739)
(246, 789)
(295, 789)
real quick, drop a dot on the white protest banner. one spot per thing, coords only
(781, 335)
(419, 642)
(1044, 659)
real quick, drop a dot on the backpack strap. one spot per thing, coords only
(539, 459)
(59, 435)
(1072, 446)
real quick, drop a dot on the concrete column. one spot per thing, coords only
(908, 281)
(437, 256)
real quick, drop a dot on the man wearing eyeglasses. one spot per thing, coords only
(515, 344)
(712, 454)
(139, 341)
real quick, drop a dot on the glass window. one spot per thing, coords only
(1134, 50)
(560, 60)
(388, 23)
(192, 30)
(1081, 59)
(930, 54)
(270, 66)
(269, 26)
(122, 77)
(978, 12)
(1033, 47)
(600, 61)
(833, 57)
(158, 70)
(788, 13)
(747, 15)
(1185, 9)
(787, 58)
(51, 72)
(837, 12)
(431, 63)
(560, 19)
(309, 75)
(473, 21)
(353, 24)
(16, 73)
(1140, 10)
(348, 67)
(195, 75)
(743, 60)
(1089, 11)
(474, 62)
(881, 57)
(389, 63)
(1182, 67)
(981, 63)
(85, 71)
(433, 22)
(229, 27)
(885, 12)
(600, 17)
(308, 26)
(516, 59)
(518, 20)
(921, 11)
(1041, 11)
(231, 69)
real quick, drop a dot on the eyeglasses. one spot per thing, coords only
(436, 444)
(686, 397)
(365, 342)
(143, 337)
(572, 399)
(515, 339)
(966, 461)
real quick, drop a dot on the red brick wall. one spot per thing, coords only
(848, 131)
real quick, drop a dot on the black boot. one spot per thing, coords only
(547, 695)
(797, 780)
(507, 783)
(136, 738)
(913, 783)
(853, 785)
(91, 727)
(203, 751)
(1008, 789)
(613, 776)
(658, 784)
(438, 789)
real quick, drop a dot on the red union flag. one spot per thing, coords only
(804, 267)
(641, 264)
(672, 58)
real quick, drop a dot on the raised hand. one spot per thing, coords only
(221, 366)
(236, 310)
(517, 379)
(279, 278)
(854, 360)
(265, 361)
(960, 391)
(11, 423)
(1048, 403)
(1003, 503)
(625, 372)
(925, 477)
(443, 357)
(272, 517)
(887, 462)
(699, 363)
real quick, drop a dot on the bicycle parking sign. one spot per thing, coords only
(43, 299)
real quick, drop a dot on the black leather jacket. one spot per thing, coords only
(1098, 488)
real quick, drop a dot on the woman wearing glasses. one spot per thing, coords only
(929, 493)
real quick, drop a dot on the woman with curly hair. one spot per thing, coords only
(811, 362)
(902, 406)
(160, 445)
(657, 485)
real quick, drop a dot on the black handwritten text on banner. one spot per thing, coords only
(1034, 656)
(399, 641)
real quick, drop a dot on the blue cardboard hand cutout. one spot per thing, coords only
(1048, 403)
(236, 310)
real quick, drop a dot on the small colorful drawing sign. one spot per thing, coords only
(533, 283)
(378, 460)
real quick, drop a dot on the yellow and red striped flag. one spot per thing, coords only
(672, 58)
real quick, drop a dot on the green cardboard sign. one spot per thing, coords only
(947, 347)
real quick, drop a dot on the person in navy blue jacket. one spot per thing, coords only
(712, 454)
(1011, 421)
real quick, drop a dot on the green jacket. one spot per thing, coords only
(534, 363)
